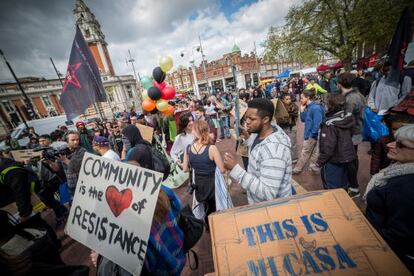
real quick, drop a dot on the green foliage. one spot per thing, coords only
(333, 26)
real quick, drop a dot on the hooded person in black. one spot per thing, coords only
(135, 147)
(336, 150)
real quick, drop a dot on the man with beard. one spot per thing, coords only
(269, 171)
(85, 138)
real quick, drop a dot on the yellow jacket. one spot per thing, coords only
(317, 87)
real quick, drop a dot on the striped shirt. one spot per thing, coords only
(269, 172)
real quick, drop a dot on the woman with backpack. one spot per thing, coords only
(202, 158)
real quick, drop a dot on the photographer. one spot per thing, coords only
(51, 175)
(75, 151)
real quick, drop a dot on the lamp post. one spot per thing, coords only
(192, 62)
(236, 97)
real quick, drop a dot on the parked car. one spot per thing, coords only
(41, 126)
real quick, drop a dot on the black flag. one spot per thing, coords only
(398, 47)
(83, 85)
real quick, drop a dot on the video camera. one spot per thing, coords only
(50, 153)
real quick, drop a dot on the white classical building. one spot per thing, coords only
(44, 94)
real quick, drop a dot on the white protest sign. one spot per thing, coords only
(112, 210)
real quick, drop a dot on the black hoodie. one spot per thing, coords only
(335, 142)
(133, 135)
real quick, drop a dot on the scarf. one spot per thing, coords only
(380, 179)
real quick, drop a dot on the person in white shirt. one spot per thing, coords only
(184, 137)
(101, 146)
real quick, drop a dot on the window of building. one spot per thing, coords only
(46, 101)
(87, 33)
(129, 90)
(3, 90)
(111, 97)
(7, 106)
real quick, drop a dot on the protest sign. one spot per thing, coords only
(242, 108)
(146, 132)
(25, 155)
(112, 210)
(314, 233)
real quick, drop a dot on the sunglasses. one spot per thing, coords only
(400, 145)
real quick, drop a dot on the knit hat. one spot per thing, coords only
(79, 123)
(100, 141)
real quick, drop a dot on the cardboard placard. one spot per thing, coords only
(280, 110)
(146, 132)
(37, 205)
(242, 109)
(25, 155)
(314, 233)
(112, 210)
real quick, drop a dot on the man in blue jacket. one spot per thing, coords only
(312, 114)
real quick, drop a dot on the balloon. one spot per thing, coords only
(160, 86)
(144, 94)
(166, 63)
(146, 82)
(154, 93)
(148, 105)
(158, 75)
(168, 93)
(169, 111)
(162, 105)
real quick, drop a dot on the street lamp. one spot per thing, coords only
(192, 62)
(236, 90)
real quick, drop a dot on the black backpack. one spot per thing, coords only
(192, 228)
(160, 162)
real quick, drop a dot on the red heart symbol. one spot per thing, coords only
(118, 200)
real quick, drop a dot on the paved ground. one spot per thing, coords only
(75, 253)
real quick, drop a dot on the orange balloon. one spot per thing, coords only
(169, 111)
(148, 105)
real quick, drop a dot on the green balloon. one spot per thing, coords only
(146, 82)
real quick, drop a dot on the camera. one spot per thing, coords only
(50, 153)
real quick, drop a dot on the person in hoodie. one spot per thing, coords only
(336, 150)
(135, 144)
(312, 114)
(269, 172)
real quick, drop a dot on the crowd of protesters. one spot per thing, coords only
(331, 108)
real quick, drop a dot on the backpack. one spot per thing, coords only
(193, 229)
(159, 162)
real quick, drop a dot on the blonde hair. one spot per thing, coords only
(203, 131)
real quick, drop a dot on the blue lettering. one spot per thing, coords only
(290, 228)
(319, 222)
(278, 231)
(262, 267)
(253, 268)
(343, 257)
(307, 224)
(327, 263)
(265, 232)
(288, 265)
(272, 265)
(249, 233)
(308, 261)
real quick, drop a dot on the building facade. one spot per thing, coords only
(181, 79)
(122, 92)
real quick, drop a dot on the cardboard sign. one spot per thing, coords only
(24, 155)
(280, 110)
(112, 210)
(313, 233)
(242, 109)
(146, 132)
(38, 206)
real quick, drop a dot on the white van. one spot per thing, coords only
(41, 126)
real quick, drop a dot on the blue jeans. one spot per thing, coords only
(224, 127)
(334, 175)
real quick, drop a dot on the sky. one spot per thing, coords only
(31, 31)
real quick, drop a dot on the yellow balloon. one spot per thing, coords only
(162, 105)
(166, 63)
(144, 95)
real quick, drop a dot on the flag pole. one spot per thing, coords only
(26, 99)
